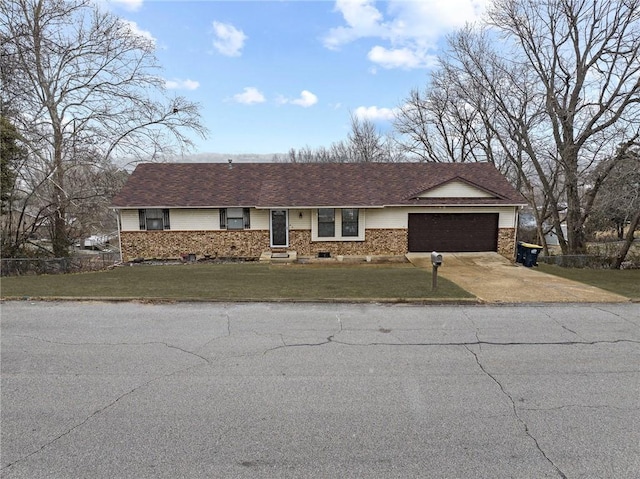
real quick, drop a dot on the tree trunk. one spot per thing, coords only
(628, 240)
(59, 240)
(575, 233)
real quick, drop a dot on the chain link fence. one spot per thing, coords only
(72, 264)
(579, 261)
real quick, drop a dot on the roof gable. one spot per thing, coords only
(457, 188)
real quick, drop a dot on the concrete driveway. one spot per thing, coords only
(494, 279)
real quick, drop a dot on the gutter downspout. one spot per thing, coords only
(117, 211)
(515, 236)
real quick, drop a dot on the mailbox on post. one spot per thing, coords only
(436, 261)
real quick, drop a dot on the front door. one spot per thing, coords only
(279, 229)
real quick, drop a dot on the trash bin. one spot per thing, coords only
(528, 254)
(520, 252)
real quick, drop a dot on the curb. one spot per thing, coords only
(158, 300)
(384, 301)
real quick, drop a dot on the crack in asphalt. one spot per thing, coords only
(95, 413)
(112, 403)
(331, 339)
(516, 415)
(600, 308)
(562, 325)
(146, 343)
(475, 327)
(216, 338)
(580, 406)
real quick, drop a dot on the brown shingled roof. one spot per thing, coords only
(265, 185)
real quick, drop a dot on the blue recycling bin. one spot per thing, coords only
(527, 254)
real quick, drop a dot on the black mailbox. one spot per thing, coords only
(436, 259)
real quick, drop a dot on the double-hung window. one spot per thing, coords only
(337, 224)
(154, 219)
(350, 222)
(235, 218)
(326, 222)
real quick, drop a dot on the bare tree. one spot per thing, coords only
(85, 90)
(555, 85)
(618, 204)
(365, 141)
(585, 57)
(363, 144)
(439, 124)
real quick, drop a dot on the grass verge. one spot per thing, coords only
(237, 282)
(625, 282)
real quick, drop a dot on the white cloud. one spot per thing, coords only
(131, 5)
(406, 58)
(306, 99)
(410, 29)
(229, 40)
(181, 84)
(249, 96)
(362, 18)
(374, 113)
(137, 31)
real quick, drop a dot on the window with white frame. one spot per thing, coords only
(235, 218)
(154, 219)
(337, 224)
(349, 222)
(326, 222)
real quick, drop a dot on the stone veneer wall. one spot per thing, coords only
(252, 243)
(507, 242)
(172, 244)
(377, 242)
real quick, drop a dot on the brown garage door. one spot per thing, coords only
(462, 232)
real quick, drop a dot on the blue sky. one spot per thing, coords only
(274, 75)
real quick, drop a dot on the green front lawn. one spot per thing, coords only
(625, 282)
(246, 281)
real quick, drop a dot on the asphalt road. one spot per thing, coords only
(96, 390)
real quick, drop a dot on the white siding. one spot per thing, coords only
(455, 189)
(260, 219)
(129, 220)
(194, 219)
(375, 218)
(399, 217)
(298, 223)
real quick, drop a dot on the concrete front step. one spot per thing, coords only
(279, 256)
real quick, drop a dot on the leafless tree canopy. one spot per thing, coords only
(84, 89)
(364, 144)
(545, 89)
(617, 205)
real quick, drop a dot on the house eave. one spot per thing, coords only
(454, 205)
(269, 207)
(307, 207)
